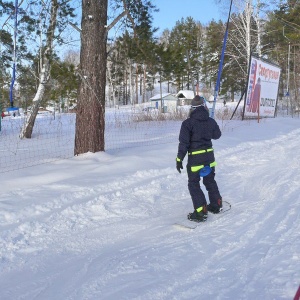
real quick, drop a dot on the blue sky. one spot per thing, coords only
(172, 11)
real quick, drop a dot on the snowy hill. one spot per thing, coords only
(101, 226)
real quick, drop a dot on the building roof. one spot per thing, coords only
(187, 94)
(165, 96)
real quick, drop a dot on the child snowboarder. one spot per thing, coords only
(195, 137)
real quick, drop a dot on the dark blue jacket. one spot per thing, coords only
(196, 134)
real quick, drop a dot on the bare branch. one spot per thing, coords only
(74, 26)
(116, 20)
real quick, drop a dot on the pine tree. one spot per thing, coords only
(90, 113)
(211, 54)
(186, 46)
(282, 45)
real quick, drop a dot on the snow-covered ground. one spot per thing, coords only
(101, 226)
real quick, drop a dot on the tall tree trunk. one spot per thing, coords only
(144, 82)
(44, 76)
(248, 11)
(259, 30)
(130, 83)
(136, 85)
(125, 84)
(90, 113)
(110, 87)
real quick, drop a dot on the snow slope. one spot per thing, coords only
(101, 226)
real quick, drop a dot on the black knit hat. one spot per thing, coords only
(198, 101)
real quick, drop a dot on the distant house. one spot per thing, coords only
(43, 110)
(185, 97)
(166, 100)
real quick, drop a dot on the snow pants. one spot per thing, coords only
(196, 192)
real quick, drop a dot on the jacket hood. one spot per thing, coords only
(200, 113)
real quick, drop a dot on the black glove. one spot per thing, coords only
(178, 165)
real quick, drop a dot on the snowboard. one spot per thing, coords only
(188, 224)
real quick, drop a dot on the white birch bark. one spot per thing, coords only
(130, 83)
(257, 20)
(144, 83)
(110, 87)
(44, 76)
(248, 12)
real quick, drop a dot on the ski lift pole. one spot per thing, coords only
(15, 56)
(221, 65)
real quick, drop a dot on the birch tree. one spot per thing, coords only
(52, 18)
(44, 73)
(282, 44)
(241, 43)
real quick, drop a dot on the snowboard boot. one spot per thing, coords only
(215, 208)
(199, 214)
